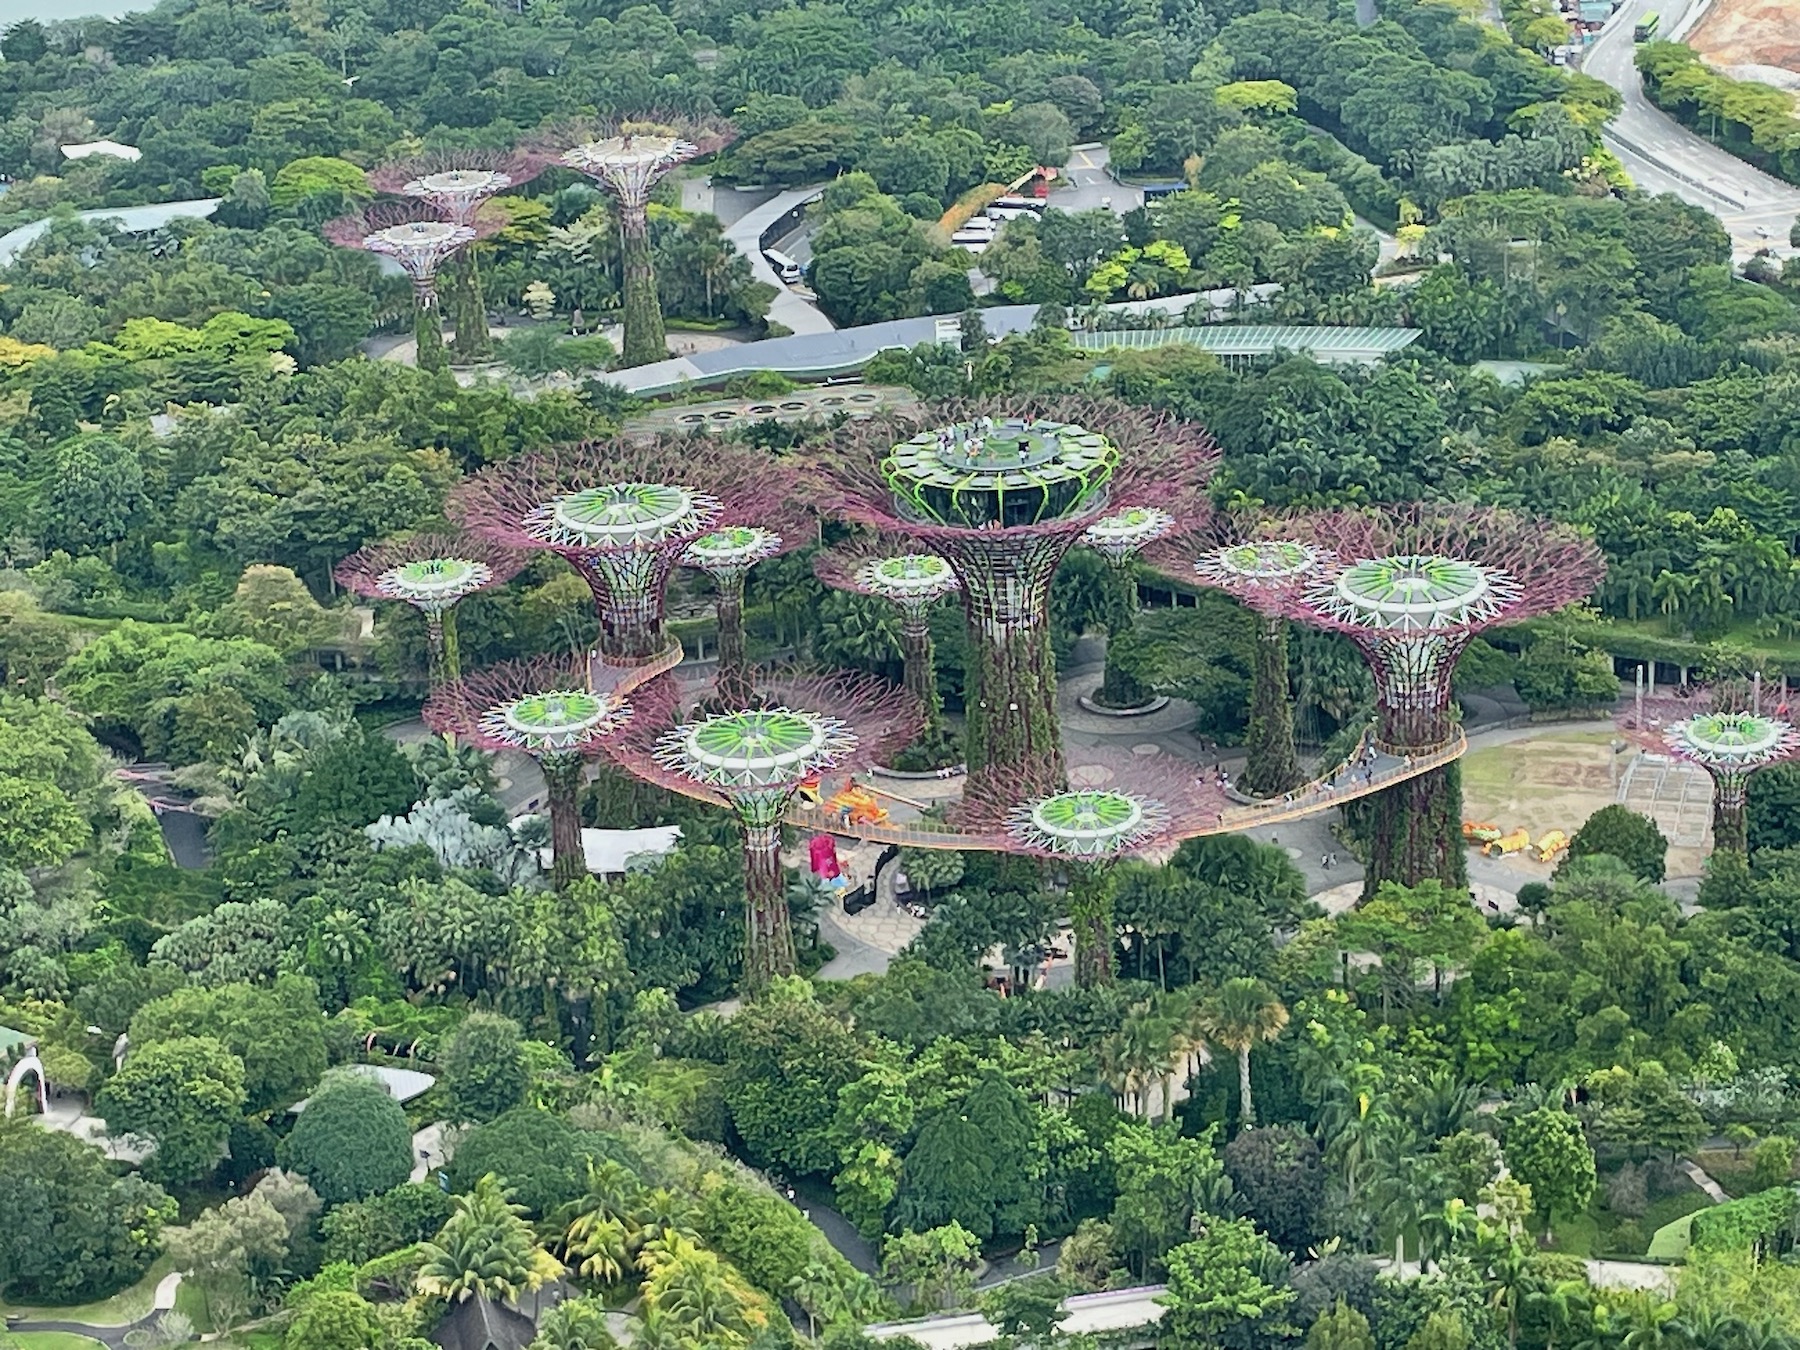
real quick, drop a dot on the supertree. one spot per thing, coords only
(1727, 731)
(455, 183)
(551, 709)
(629, 158)
(1120, 538)
(1410, 586)
(890, 567)
(726, 554)
(622, 513)
(1252, 561)
(1002, 498)
(412, 234)
(431, 572)
(754, 759)
(1115, 806)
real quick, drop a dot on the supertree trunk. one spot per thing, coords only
(1415, 832)
(733, 684)
(562, 776)
(437, 664)
(428, 339)
(1730, 825)
(472, 341)
(645, 339)
(628, 596)
(1091, 914)
(920, 661)
(768, 932)
(1011, 696)
(1117, 689)
(451, 655)
(1272, 765)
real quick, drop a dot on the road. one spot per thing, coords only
(1663, 156)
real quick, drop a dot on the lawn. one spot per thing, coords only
(1601, 1232)
(54, 1340)
(122, 1308)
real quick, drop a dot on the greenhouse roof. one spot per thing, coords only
(1338, 345)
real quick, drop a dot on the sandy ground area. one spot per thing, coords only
(1556, 781)
(1752, 39)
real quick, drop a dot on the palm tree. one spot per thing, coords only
(575, 1324)
(485, 1250)
(1243, 1014)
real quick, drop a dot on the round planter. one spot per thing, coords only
(1156, 704)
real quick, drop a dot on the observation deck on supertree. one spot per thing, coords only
(548, 708)
(1252, 561)
(1727, 730)
(891, 567)
(431, 572)
(456, 182)
(412, 234)
(1002, 497)
(1116, 806)
(1409, 586)
(756, 758)
(623, 514)
(628, 159)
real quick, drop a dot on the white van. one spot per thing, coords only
(785, 267)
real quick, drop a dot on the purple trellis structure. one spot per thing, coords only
(754, 759)
(1731, 730)
(1109, 805)
(893, 568)
(1002, 494)
(1252, 559)
(413, 235)
(551, 709)
(1409, 586)
(622, 514)
(431, 572)
(629, 158)
(456, 182)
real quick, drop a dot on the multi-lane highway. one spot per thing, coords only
(1664, 156)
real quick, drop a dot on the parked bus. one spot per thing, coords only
(1646, 27)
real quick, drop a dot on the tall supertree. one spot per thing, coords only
(629, 158)
(1120, 806)
(622, 513)
(431, 572)
(755, 758)
(412, 235)
(455, 183)
(1410, 586)
(1252, 561)
(1002, 496)
(551, 709)
(1727, 731)
(890, 567)
(1120, 538)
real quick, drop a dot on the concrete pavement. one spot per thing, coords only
(1664, 156)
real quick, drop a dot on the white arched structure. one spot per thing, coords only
(30, 1063)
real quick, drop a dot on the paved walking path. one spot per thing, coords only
(113, 1337)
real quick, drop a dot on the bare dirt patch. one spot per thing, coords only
(1753, 39)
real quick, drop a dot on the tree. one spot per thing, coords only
(484, 1068)
(239, 1251)
(1277, 1170)
(1166, 1183)
(39, 825)
(70, 1228)
(1340, 1327)
(1243, 1014)
(1547, 1151)
(939, 1263)
(351, 1141)
(1218, 1292)
(184, 1094)
(972, 1164)
(1627, 835)
(93, 491)
(334, 1319)
(278, 1032)
(1027, 1311)
(484, 1250)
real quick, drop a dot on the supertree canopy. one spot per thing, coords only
(1251, 560)
(628, 159)
(1002, 497)
(415, 237)
(457, 182)
(1725, 730)
(1119, 538)
(622, 514)
(890, 567)
(1113, 806)
(755, 758)
(1410, 586)
(431, 572)
(548, 708)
